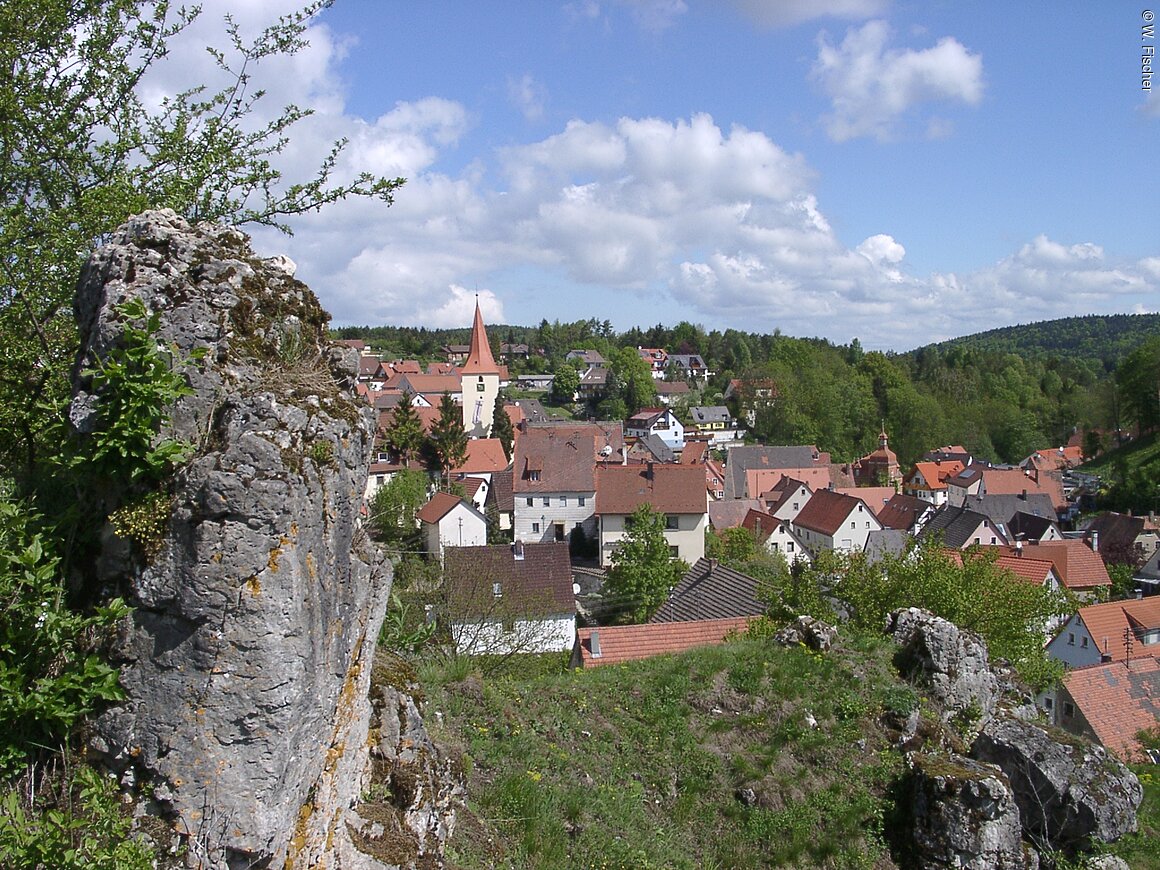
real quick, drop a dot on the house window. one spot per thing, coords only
(789, 546)
(563, 501)
(795, 505)
(535, 528)
(534, 476)
(674, 552)
(671, 522)
(530, 500)
(867, 524)
(547, 502)
(853, 524)
(1083, 642)
(1070, 639)
(497, 590)
(1048, 704)
(380, 479)
(580, 501)
(479, 386)
(1068, 710)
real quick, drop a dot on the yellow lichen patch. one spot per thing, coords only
(254, 585)
(217, 557)
(294, 530)
(272, 562)
(311, 569)
(299, 836)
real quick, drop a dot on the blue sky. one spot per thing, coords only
(897, 172)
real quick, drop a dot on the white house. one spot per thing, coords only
(833, 521)
(1105, 632)
(677, 491)
(516, 598)
(449, 521)
(661, 422)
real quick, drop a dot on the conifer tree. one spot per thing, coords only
(405, 432)
(448, 439)
(501, 426)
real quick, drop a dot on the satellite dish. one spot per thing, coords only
(606, 450)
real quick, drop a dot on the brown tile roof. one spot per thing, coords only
(625, 643)
(902, 511)
(729, 513)
(563, 459)
(501, 491)
(484, 455)
(1079, 568)
(1034, 571)
(433, 384)
(759, 480)
(671, 489)
(694, 452)
(1107, 622)
(441, 504)
(761, 524)
(826, 510)
(1118, 700)
(540, 583)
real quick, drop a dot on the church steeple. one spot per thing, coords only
(479, 358)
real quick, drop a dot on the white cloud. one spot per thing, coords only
(786, 13)
(527, 95)
(872, 86)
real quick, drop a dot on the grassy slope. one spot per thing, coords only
(644, 765)
(1143, 451)
(641, 765)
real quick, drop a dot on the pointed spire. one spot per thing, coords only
(479, 358)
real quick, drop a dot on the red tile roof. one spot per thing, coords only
(484, 455)
(935, 473)
(694, 452)
(1118, 700)
(1079, 568)
(670, 489)
(1013, 481)
(875, 497)
(1107, 622)
(624, 643)
(479, 358)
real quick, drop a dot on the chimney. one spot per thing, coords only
(713, 563)
(1095, 540)
(1023, 495)
(649, 470)
(594, 644)
(1018, 547)
(518, 551)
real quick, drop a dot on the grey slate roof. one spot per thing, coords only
(741, 459)
(1001, 508)
(1029, 526)
(658, 448)
(955, 524)
(709, 590)
(710, 414)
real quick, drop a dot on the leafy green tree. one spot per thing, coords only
(501, 425)
(448, 438)
(565, 382)
(643, 570)
(81, 151)
(1138, 379)
(972, 592)
(404, 433)
(638, 387)
(397, 502)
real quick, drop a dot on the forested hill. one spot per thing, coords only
(1106, 337)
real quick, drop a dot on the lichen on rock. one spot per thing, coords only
(248, 656)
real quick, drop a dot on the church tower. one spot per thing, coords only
(479, 382)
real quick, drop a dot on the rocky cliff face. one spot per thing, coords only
(248, 657)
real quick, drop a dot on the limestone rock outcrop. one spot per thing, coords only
(965, 816)
(950, 662)
(814, 633)
(1068, 790)
(247, 658)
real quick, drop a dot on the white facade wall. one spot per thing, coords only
(536, 522)
(849, 537)
(1074, 645)
(450, 532)
(493, 637)
(688, 536)
(478, 399)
